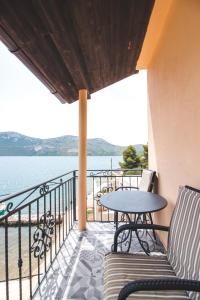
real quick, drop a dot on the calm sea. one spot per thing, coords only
(19, 172)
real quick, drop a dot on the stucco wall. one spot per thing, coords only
(174, 104)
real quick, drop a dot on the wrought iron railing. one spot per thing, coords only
(101, 182)
(35, 222)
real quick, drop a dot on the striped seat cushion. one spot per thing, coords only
(184, 238)
(122, 268)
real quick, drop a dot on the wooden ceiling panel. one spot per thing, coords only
(76, 44)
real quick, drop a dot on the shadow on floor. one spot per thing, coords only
(77, 272)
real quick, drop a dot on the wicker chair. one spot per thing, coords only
(175, 275)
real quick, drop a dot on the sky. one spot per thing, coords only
(117, 113)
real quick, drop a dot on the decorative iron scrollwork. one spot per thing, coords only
(124, 242)
(103, 191)
(5, 208)
(103, 173)
(147, 238)
(9, 206)
(44, 189)
(42, 240)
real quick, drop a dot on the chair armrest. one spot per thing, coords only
(158, 284)
(134, 227)
(126, 187)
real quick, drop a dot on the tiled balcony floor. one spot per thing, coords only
(77, 272)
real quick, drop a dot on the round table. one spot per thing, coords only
(136, 202)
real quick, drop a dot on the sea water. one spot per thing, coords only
(20, 172)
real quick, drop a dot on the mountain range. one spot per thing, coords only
(16, 144)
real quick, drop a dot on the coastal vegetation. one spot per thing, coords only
(134, 160)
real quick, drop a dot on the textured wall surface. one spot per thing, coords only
(174, 104)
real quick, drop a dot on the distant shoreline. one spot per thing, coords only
(16, 144)
(56, 155)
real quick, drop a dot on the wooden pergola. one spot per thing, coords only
(76, 48)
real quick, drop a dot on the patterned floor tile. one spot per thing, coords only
(77, 272)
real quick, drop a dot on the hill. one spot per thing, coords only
(16, 144)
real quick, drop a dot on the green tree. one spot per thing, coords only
(130, 158)
(144, 157)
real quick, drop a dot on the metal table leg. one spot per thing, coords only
(116, 219)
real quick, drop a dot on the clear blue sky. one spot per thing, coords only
(117, 113)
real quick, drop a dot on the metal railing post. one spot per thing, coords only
(74, 195)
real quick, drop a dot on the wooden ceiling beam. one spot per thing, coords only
(79, 44)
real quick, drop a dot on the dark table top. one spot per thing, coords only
(133, 202)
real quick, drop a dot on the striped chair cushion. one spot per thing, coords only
(184, 238)
(122, 268)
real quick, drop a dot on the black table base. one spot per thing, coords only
(138, 204)
(126, 237)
